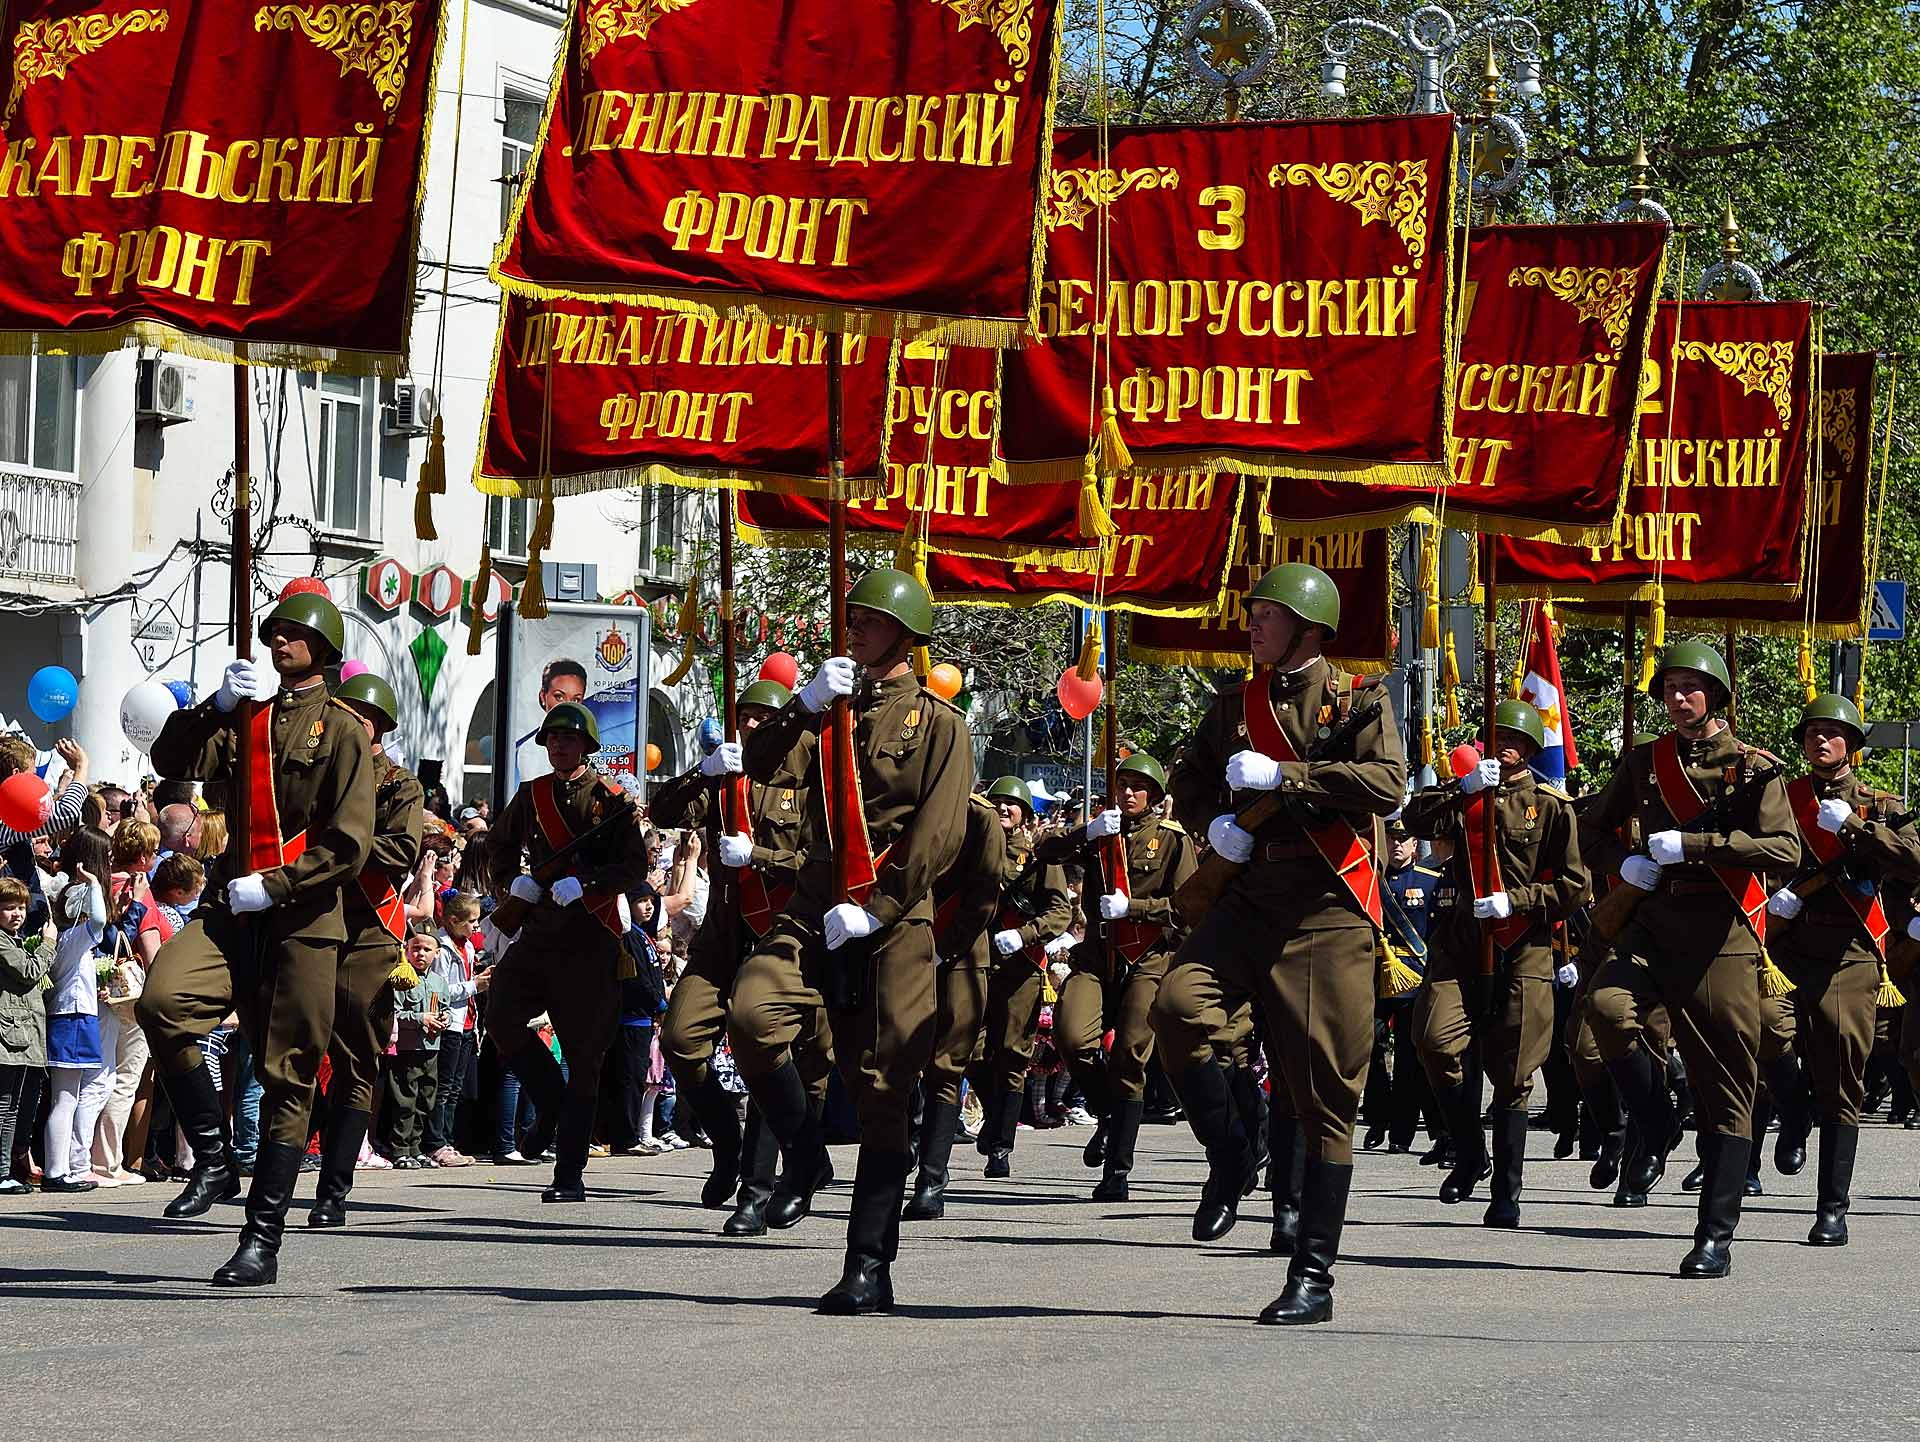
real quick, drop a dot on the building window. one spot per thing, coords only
(39, 399)
(660, 530)
(519, 130)
(343, 459)
(476, 767)
(507, 525)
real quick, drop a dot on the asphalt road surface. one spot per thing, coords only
(456, 1305)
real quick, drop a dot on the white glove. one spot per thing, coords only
(1784, 904)
(1113, 906)
(1497, 907)
(736, 849)
(833, 680)
(526, 889)
(1641, 872)
(1229, 839)
(724, 760)
(1834, 814)
(248, 893)
(1486, 774)
(245, 681)
(1063, 942)
(567, 890)
(1666, 847)
(1252, 771)
(1007, 942)
(1913, 928)
(847, 922)
(1568, 975)
(1107, 823)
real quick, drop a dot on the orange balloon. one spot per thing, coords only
(653, 757)
(945, 681)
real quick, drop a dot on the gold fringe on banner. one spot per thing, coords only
(482, 583)
(1393, 977)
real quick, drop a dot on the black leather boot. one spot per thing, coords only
(1251, 1102)
(1287, 1169)
(1720, 1198)
(1837, 1146)
(866, 1282)
(1125, 1120)
(1642, 1085)
(543, 1081)
(1762, 1114)
(1606, 1119)
(339, 1150)
(257, 1261)
(998, 1132)
(805, 1165)
(1509, 1165)
(759, 1153)
(1470, 1160)
(929, 1200)
(1788, 1089)
(1631, 1165)
(720, 1120)
(196, 1107)
(1308, 1296)
(1093, 1082)
(571, 1140)
(1207, 1097)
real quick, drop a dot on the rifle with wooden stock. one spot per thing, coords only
(510, 912)
(1215, 872)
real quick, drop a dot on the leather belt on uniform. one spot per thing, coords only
(1284, 851)
(1691, 886)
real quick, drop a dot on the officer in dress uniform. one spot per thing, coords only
(764, 841)
(1136, 859)
(1831, 932)
(1713, 813)
(566, 957)
(870, 958)
(310, 811)
(964, 902)
(376, 923)
(1296, 926)
(1409, 905)
(1536, 881)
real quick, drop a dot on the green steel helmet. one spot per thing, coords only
(1305, 590)
(1695, 656)
(317, 614)
(1524, 717)
(1011, 788)
(1141, 764)
(368, 692)
(571, 716)
(1835, 708)
(770, 694)
(896, 594)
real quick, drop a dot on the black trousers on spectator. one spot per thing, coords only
(456, 1062)
(13, 1092)
(412, 1077)
(636, 1050)
(29, 1125)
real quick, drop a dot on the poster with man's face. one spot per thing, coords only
(594, 655)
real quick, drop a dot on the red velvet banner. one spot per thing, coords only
(237, 181)
(1356, 560)
(1176, 536)
(647, 396)
(1266, 280)
(1718, 502)
(713, 156)
(1545, 409)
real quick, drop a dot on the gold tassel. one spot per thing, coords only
(433, 482)
(1889, 995)
(533, 591)
(1114, 455)
(1095, 523)
(1860, 684)
(1656, 638)
(1450, 679)
(1806, 664)
(482, 583)
(403, 977)
(1773, 981)
(1427, 748)
(542, 536)
(1087, 667)
(689, 626)
(1430, 588)
(1393, 977)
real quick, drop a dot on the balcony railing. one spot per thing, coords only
(39, 528)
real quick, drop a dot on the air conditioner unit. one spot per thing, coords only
(163, 392)
(411, 411)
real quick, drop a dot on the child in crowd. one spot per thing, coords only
(74, 1043)
(23, 1018)
(454, 965)
(419, 1018)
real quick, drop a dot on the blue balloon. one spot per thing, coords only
(711, 733)
(52, 693)
(182, 692)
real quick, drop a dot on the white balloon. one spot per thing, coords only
(144, 710)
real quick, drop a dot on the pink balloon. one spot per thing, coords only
(350, 669)
(1079, 698)
(780, 667)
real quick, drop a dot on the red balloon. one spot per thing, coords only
(1463, 759)
(25, 802)
(781, 668)
(1079, 698)
(304, 585)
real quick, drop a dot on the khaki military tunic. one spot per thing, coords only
(915, 764)
(1035, 902)
(1287, 933)
(1538, 851)
(1687, 945)
(278, 968)
(1106, 990)
(363, 1003)
(965, 900)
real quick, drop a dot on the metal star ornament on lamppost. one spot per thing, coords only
(1230, 44)
(1731, 278)
(1637, 203)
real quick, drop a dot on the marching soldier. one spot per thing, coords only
(309, 805)
(1534, 880)
(585, 852)
(1137, 860)
(376, 922)
(763, 839)
(1713, 812)
(1833, 924)
(1296, 925)
(869, 958)
(1031, 929)
(964, 902)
